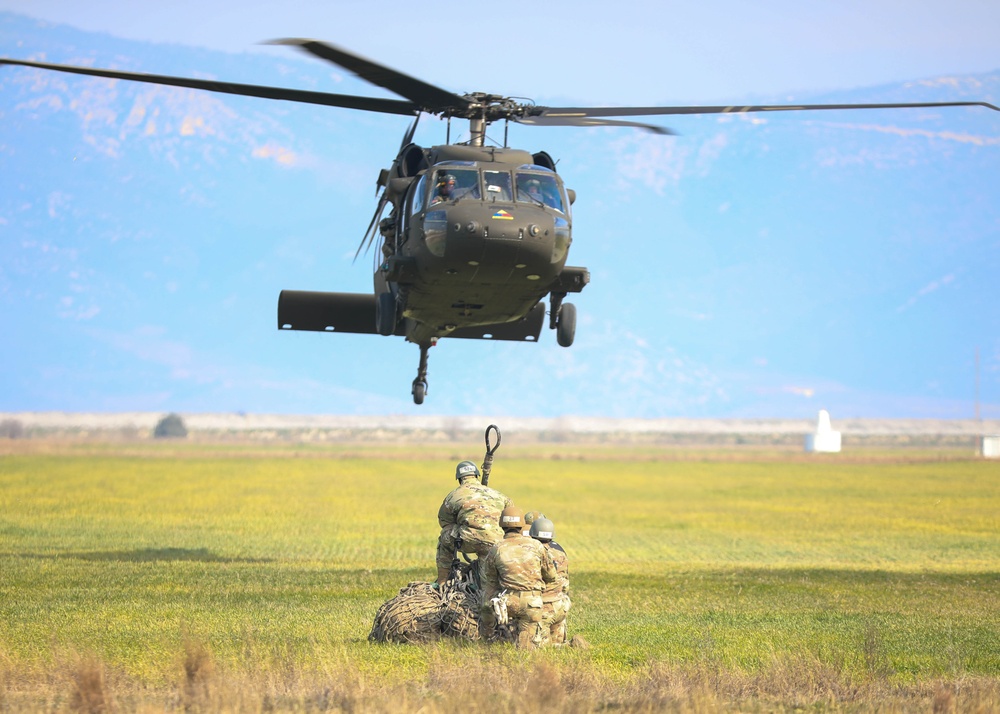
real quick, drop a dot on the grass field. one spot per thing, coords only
(181, 576)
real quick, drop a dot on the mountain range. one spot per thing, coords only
(751, 267)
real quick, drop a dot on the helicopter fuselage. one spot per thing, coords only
(477, 237)
(475, 243)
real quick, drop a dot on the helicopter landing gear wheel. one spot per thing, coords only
(566, 324)
(419, 390)
(385, 314)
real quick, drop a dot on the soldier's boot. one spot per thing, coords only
(524, 636)
(444, 574)
(557, 633)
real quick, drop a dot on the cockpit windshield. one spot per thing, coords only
(454, 183)
(497, 185)
(540, 189)
(531, 184)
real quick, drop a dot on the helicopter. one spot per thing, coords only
(477, 236)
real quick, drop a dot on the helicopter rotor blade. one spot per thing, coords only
(383, 199)
(408, 136)
(430, 98)
(370, 104)
(569, 114)
(555, 120)
(369, 237)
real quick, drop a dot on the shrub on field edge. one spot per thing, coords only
(170, 426)
(11, 429)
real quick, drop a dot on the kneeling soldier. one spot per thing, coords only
(555, 597)
(515, 572)
(469, 519)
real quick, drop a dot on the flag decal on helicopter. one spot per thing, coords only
(502, 215)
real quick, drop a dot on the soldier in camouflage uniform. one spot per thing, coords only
(529, 518)
(555, 597)
(469, 519)
(514, 574)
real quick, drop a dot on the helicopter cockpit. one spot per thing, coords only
(518, 187)
(528, 184)
(540, 188)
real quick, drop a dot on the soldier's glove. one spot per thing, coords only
(499, 604)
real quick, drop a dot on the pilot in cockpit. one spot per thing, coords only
(445, 188)
(530, 191)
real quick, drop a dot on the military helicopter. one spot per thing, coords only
(477, 236)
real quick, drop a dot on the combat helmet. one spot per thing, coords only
(529, 518)
(466, 468)
(512, 518)
(543, 529)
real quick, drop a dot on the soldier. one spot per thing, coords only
(555, 598)
(514, 573)
(530, 518)
(469, 519)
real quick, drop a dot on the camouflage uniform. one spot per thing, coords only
(470, 522)
(555, 597)
(522, 567)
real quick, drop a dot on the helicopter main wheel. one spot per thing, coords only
(419, 391)
(385, 314)
(566, 324)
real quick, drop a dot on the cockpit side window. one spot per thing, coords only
(419, 195)
(541, 189)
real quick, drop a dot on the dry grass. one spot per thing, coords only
(487, 683)
(89, 692)
(199, 675)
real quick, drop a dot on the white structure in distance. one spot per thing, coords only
(825, 440)
(991, 447)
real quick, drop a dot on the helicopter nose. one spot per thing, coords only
(503, 240)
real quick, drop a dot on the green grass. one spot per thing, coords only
(876, 571)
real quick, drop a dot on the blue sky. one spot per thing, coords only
(642, 52)
(745, 268)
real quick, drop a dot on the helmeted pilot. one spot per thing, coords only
(445, 188)
(530, 190)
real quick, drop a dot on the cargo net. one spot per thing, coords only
(422, 613)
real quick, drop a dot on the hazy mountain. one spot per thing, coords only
(752, 266)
